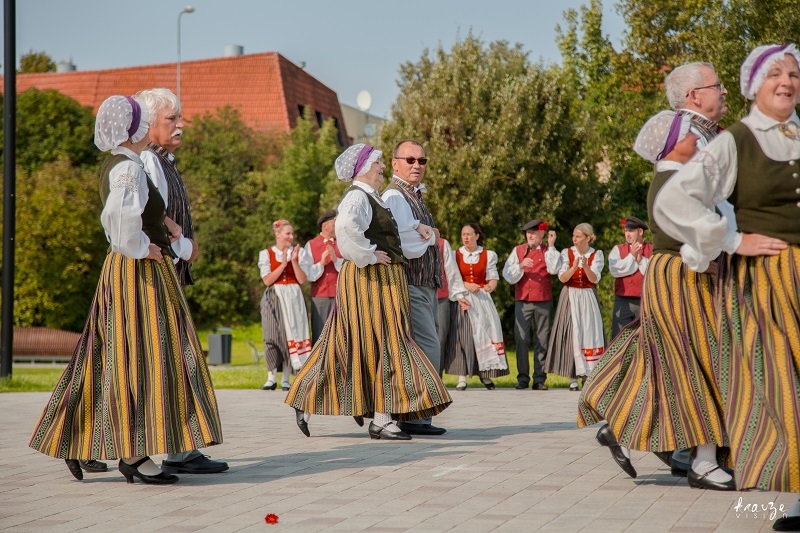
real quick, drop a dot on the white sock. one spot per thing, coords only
(795, 509)
(705, 460)
(573, 382)
(306, 416)
(148, 468)
(382, 419)
(625, 451)
(462, 379)
(272, 376)
(285, 382)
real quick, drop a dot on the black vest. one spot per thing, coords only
(382, 230)
(662, 243)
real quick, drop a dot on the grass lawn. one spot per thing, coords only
(242, 373)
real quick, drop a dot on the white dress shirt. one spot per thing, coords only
(619, 267)
(513, 272)
(314, 270)
(411, 242)
(122, 213)
(355, 214)
(455, 283)
(596, 266)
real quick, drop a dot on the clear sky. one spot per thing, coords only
(349, 45)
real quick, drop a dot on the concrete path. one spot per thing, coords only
(510, 461)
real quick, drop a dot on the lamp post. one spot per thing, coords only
(187, 9)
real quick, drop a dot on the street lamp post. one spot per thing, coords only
(187, 9)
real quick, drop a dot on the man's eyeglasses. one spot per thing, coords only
(718, 86)
(411, 160)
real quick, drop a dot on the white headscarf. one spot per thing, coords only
(654, 139)
(356, 161)
(114, 123)
(755, 67)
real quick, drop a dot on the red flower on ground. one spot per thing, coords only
(271, 518)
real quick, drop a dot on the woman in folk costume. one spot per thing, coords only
(475, 344)
(284, 321)
(576, 340)
(137, 383)
(755, 164)
(655, 383)
(451, 293)
(366, 363)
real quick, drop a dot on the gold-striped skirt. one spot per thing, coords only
(656, 385)
(365, 360)
(137, 383)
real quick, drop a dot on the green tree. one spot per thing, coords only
(33, 62)
(500, 135)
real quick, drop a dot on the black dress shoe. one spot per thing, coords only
(680, 469)
(421, 429)
(700, 481)
(489, 384)
(377, 432)
(132, 471)
(606, 438)
(285, 386)
(74, 468)
(520, 386)
(666, 457)
(359, 420)
(269, 386)
(301, 422)
(787, 523)
(94, 466)
(539, 386)
(198, 465)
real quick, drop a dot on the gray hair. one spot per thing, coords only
(682, 80)
(158, 99)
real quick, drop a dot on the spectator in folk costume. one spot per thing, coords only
(476, 344)
(627, 263)
(451, 294)
(321, 263)
(577, 341)
(529, 268)
(284, 322)
(166, 130)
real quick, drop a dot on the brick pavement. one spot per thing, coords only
(510, 461)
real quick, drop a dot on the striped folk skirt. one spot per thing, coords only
(284, 327)
(759, 372)
(577, 339)
(655, 385)
(460, 355)
(137, 383)
(366, 360)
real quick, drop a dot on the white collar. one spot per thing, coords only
(130, 154)
(757, 119)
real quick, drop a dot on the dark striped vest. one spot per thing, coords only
(177, 207)
(425, 271)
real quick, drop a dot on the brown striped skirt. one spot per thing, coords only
(759, 373)
(460, 358)
(137, 383)
(366, 361)
(655, 384)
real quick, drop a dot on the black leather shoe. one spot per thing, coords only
(301, 422)
(787, 523)
(74, 468)
(698, 481)
(269, 385)
(199, 465)
(285, 386)
(132, 471)
(94, 466)
(606, 438)
(521, 386)
(421, 429)
(680, 469)
(489, 384)
(377, 432)
(666, 457)
(539, 386)
(359, 420)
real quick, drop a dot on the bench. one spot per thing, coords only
(44, 345)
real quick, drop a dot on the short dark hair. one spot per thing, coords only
(405, 141)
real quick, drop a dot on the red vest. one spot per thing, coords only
(579, 279)
(325, 286)
(444, 292)
(536, 285)
(631, 286)
(473, 273)
(287, 276)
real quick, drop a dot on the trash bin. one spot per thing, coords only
(219, 346)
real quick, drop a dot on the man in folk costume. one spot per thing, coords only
(529, 268)
(424, 269)
(321, 264)
(628, 262)
(166, 128)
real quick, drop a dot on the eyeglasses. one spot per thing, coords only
(718, 86)
(411, 160)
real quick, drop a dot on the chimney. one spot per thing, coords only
(233, 50)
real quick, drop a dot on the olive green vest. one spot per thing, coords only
(154, 211)
(766, 196)
(662, 243)
(382, 230)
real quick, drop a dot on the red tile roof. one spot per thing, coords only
(265, 88)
